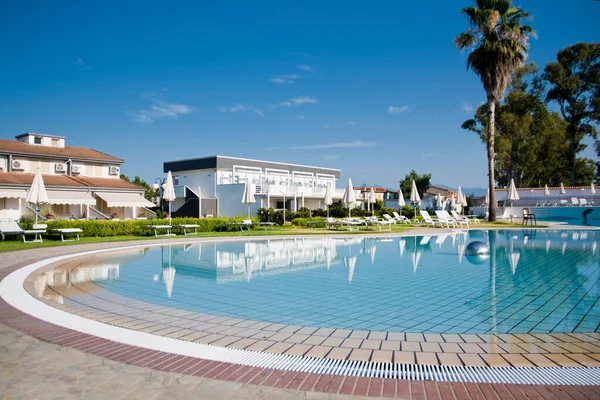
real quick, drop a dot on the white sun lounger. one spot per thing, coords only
(428, 220)
(460, 219)
(445, 219)
(157, 228)
(400, 218)
(66, 231)
(186, 227)
(377, 222)
(11, 227)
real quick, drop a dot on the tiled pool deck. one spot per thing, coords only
(581, 350)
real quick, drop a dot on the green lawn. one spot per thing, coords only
(12, 245)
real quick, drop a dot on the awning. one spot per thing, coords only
(124, 199)
(13, 194)
(72, 198)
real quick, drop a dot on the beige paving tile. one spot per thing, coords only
(377, 335)
(595, 356)
(227, 340)
(193, 336)
(353, 343)
(398, 336)
(517, 360)
(427, 359)
(213, 337)
(359, 334)
(431, 347)
(491, 348)
(280, 337)
(532, 348)
(564, 337)
(248, 332)
(581, 336)
(550, 347)
(584, 360)
(318, 351)
(415, 337)
(233, 331)
(390, 345)
(290, 329)
(261, 345)
(263, 335)
(333, 341)
(563, 360)
(343, 333)
(404, 357)
(571, 348)
(513, 348)
(543, 337)
(540, 360)
(307, 330)
(245, 323)
(296, 338)
(410, 346)
(508, 338)
(433, 337)
(279, 347)
(314, 340)
(592, 347)
(472, 360)
(370, 344)
(449, 359)
(471, 338)
(339, 353)
(451, 348)
(489, 339)
(452, 338)
(324, 332)
(383, 356)
(272, 327)
(470, 348)
(259, 325)
(360, 355)
(242, 343)
(494, 360)
(298, 349)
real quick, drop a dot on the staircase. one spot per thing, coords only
(191, 207)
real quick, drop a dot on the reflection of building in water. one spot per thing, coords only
(241, 260)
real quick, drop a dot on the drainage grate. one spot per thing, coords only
(12, 291)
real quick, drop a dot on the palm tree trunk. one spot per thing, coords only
(490, 150)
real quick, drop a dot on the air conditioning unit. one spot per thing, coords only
(60, 167)
(114, 170)
(2, 164)
(19, 165)
(76, 169)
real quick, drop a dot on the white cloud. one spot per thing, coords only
(307, 68)
(81, 64)
(466, 107)
(160, 109)
(284, 79)
(337, 145)
(398, 109)
(259, 112)
(242, 107)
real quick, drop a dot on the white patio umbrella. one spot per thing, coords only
(402, 246)
(512, 191)
(546, 191)
(328, 200)
(348, 198)
(414, 196)
(562, 189)
(372, 199)
(350, 263)
(37, 193)
(169, 193)
(438, 201)
(401, 202)
(452, 203)
(248, 196)
(487, 198)
(592, 189)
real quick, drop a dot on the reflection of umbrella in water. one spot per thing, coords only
(547, 245)
(564, 248)
(525, 239)
(350, 263)
(40, 284)
(328, 257)
(594, 248)
(402, 246)
(416, 256)
(372, 251)
(169, 279)
(514, 260)
(461, 252)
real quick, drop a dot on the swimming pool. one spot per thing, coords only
(534, 281)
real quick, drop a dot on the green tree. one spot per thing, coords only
(498, 40)
(422, 182)
(149, 194)
(575, 85)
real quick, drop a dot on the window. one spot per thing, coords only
(176, 180)
(55, 142)
(37, 140)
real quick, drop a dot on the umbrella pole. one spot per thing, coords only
(170, 218)
(327, 210)
(37, 212)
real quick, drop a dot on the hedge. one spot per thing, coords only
(304, 221)
(96, 228)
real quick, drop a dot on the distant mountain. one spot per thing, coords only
(475, 191)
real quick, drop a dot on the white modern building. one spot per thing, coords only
(215, 185)
(81, 182)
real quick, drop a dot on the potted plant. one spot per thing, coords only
(115, 215)
(50, 217)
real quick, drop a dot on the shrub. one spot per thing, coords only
(319, 212)
(338, 211)
(303, 212)
(266, 215)
(303, 222)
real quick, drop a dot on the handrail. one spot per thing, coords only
(40, 216)
(99, 213)
(150, 211)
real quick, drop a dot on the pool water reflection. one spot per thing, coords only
(533, 281)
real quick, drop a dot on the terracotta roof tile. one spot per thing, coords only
(16, 146)
(13, 178)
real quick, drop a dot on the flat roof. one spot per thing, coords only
(39, 134)
(226, 162)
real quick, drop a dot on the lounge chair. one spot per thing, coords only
(66, 231)
(389, 218)
(11, 227)
(377, 222)
(583, 202)
(563, 203)
(574, 201)
(461, 219)
(428, 220)
(445, 219)
(400, 218)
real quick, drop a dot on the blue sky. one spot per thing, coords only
(374, 89)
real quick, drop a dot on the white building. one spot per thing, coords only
(219, 182)
(81, 182)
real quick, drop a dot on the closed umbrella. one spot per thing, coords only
(372, 200)
(414, 196)
(169, 193)
(562, 189)
(401, 202)
(487, 198)
(328, 200)
(593, 189)
(248, 197)
(512, 191)
(461, 199)
(546, 191)
(438, 201)
(349, 198)
(452, 203)
(37, 193)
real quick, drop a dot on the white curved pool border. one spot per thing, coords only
(13, 292)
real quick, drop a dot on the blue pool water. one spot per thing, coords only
(534, 281)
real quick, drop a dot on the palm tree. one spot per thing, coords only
(498, 40)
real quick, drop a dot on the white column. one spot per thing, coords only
(133, 211)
